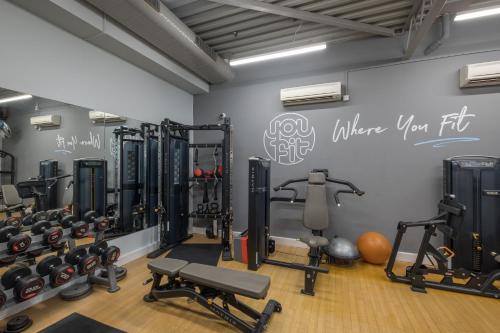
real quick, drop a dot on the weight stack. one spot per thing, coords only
(475, 182)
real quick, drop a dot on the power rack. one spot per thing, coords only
(174, 179)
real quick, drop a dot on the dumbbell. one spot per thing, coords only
(79, 229)
(14, 221)
(3, 299)
(108, 254)
(26, 284)
(59, 273)
(86, 262)
(100, 223)
(17, 242)
(51, 235)
(35, 217)
(57, 214)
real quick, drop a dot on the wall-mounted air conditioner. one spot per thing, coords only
(50, 120)
(478, 75)
(317, 93)
(101, 117)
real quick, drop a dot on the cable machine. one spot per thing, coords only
(174, 157)
(136, 174)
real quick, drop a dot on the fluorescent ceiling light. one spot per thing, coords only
(469, 15)
(279, 54)
(15, 98)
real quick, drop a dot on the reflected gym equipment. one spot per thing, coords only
(49, 169)
(89, 186)
(136, 177)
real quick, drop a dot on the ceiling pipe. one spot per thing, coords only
(445, 34)
(157, 25)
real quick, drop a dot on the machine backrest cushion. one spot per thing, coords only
(10, 195)
(316, 207)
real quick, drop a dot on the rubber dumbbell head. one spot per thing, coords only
(98, 247)
(26, 285)
(90, 216)
(68, 220)
(59, 273)
(101, 223)
(79, 229)
(110, 255)
(14, 221)
(3, 299)
(16, 242)
(86, 262)
(27, 220)
(51, 235)
(54, 215)
(40, 216)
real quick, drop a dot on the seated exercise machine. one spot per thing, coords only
(205, 284)
(315, 217)
(448, 222)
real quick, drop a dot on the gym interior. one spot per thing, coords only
(249, 166)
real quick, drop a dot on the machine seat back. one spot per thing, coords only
(11, 196)
(316, 206)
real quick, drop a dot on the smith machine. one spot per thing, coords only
(175, 180)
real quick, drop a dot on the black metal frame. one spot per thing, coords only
(446, 222)
(177, 287)
(170, 129)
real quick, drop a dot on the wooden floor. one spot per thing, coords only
(355, 299)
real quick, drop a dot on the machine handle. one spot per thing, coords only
(346, 183)
(290, 181)
(336, 195)
(294, 195)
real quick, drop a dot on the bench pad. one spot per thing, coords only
(167, 266)
(228, 280)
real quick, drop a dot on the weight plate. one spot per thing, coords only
(76, 291)
(18, 324)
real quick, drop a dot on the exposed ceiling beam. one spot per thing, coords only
(307, 16)
(419, 30)
(453, 7)
(416, 5)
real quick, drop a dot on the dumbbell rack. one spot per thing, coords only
(11, 306)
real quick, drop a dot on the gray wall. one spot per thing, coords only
(30, 145)
(402, 180)
(40, 58)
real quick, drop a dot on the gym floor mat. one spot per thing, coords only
(207, 254)
(76, 323)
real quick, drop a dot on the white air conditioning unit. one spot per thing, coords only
(50, 120)
(478, 75)
(318, 93)
(101, 117)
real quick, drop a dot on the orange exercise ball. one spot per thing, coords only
(374, 247)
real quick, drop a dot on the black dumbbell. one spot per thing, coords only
(108, 254)
(14, 221)
(79, 229)
(59, 273)
(86, 262)
(39, 216)
(101, 223)
(3, 299)
(17, 242)
(26, 284)
(51, 235)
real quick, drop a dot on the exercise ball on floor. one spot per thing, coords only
(374, 247)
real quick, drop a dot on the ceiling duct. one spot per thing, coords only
(155, 23)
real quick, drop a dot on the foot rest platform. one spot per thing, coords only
(231, 281)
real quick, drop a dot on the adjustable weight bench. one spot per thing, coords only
(204, 284)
